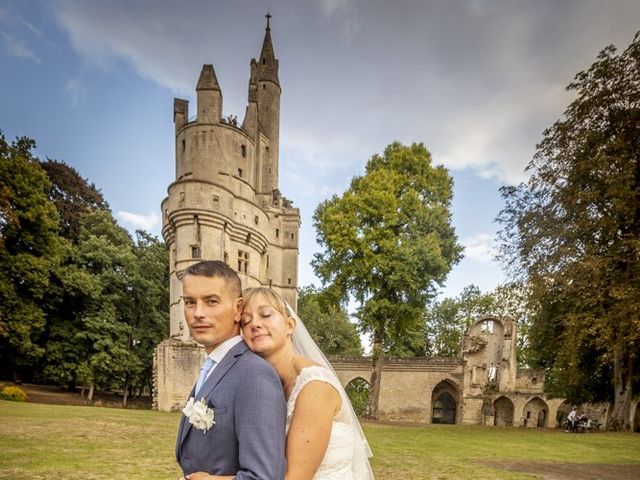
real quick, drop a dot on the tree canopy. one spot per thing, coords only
(388, 243)
(572, 231)
(73, 196)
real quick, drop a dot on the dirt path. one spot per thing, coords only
(570, 471)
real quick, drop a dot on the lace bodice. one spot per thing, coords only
(336, 464)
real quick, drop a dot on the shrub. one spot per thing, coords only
(15, 394)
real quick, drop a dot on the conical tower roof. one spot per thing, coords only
(268, 63)
(208, 79)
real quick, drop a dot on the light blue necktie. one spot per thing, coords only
(204, 371)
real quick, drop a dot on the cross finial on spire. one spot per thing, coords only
(268, 15)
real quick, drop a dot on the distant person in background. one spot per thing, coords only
(572, 418)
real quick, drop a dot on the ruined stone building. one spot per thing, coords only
(225, 204)
(483, 386)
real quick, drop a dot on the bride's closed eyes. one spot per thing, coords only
(263, 312)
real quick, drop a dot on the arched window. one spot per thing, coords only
(358, 393)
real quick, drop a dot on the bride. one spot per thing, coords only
(324, 438)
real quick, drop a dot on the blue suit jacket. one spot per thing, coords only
(248, 438)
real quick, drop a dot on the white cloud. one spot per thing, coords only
(30, 27)
(76, 90)
(18, 48)
(306, 186)
(480, 247)
(138, 221)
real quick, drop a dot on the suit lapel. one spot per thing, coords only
(184, 427)
(218, 372)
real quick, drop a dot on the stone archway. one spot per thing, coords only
(535, 413)
(444, 403)
(358, 393)
(503, 416)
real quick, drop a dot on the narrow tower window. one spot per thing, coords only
(243, 148)
(243, 261)
(196, 223)
(277, 233)
(240, 172)
(195, 251)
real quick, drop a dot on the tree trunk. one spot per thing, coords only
(376, 374)
(622, 384)
(125, 397)
(90, 394)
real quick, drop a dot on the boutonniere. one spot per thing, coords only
(199, 414)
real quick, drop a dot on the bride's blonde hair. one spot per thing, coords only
(275, 299)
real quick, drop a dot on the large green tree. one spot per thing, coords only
(30, 248)
(70, 289)
(388, 243)
(105, 255)
(573, 232)
(328, 322)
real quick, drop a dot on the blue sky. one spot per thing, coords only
(476, 81)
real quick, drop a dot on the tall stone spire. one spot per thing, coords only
(268, 63)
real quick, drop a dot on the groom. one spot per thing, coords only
(243, 391)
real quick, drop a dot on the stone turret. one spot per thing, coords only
(209, 96)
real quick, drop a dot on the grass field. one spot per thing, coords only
(40, 441)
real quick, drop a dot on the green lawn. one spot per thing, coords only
(68, 442)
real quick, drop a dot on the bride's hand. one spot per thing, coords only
(207, 476)
(199, 476)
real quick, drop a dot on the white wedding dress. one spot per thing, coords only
(337, 461)
(348, 452)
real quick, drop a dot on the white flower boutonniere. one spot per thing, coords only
(199, 414)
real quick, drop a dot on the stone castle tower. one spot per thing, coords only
(225, 204)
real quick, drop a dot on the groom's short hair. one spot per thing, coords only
(217, 269)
